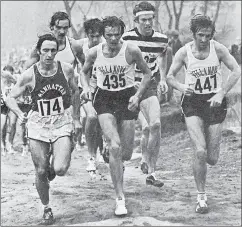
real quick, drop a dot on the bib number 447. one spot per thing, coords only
(208, 84)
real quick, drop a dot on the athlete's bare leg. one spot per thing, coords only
(11, 130)
(144, 143)
(195, 127)
(213, 136)
(126, 130)
(3, 132)
(150, 108)
(62, 155)
(40, 156)
(91, 129)
(109, 127)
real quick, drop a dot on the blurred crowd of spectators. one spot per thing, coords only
(15, 58)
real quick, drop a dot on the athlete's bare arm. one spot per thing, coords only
(225, 57)
(137, 58)
(69, 73)
(25, 80)
(78, 50)
(178, 62)
(163, 65)
(91, 57)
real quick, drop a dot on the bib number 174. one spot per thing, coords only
(50, 106)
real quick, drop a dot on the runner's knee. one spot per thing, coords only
(115, 149)
(61, 170)
(212, 161)
(41, 172)
(213, 156)
(155, 127)
(92, 118)
(201, 154)
(146, 131)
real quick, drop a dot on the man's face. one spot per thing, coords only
(60, 29)
(48, 51)
(112, 36)
(202, 37)
(94, 38)
(145, 23)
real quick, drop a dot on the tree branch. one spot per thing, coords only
(217, 12)
(89, 7)
(73, 3)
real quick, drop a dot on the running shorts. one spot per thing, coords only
(50, 128)
(197, 105)
(115, 103)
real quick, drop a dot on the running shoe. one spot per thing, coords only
(48, 217)
(3, 151)
(91, 165)
(120, 207)
(202, 206)
(25, 150)
(150, 180)
(10, 149)
(144, 167)
(105, 154)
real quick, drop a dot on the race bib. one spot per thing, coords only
(27, 99)
(2, 101)
(50, 107)
(205, 84)
(113, 81)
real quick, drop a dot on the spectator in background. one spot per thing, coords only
(175, 42)
(236, 53)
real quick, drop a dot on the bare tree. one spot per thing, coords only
(127, 13)
(157, 23)
(217, 11)
(69, 6)
(177, 14)
(77, 31)
(205, 8)
(170, 15)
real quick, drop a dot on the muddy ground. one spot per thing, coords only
(76, 200)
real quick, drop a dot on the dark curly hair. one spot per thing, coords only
(44, 37)
(59, 16)
(142, 6)
(200, 21)
(93, 25)
(113, 21)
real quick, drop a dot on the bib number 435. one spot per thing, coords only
(50, 106)
(114, 81)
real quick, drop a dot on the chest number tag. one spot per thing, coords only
(207, 83)
(50, 107)
(114, 81)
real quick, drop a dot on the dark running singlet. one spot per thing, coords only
(51, 95)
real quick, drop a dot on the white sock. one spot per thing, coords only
(46, 206)
(153, 174)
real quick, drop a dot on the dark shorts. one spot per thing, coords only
(24, 107)
(115, 103)
(197, 105)
(4, 109)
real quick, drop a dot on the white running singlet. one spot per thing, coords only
(66, 55)
(203, 76)
(114, 74)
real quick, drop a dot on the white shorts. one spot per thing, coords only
(50, 128)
